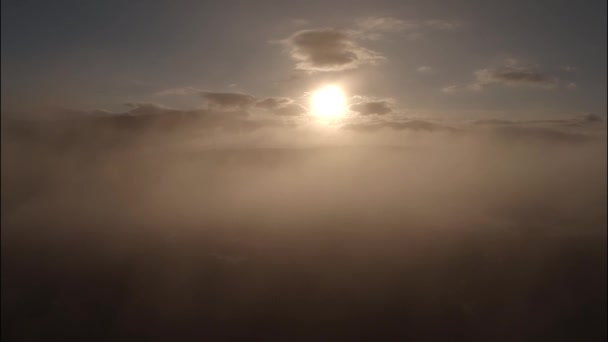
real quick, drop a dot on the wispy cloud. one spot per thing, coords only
(390, 24)
(179, 91)
(424, 69)
(513, 73)
(513, 77)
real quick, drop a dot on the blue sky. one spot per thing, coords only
(471, 58)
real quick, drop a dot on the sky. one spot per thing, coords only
(462, 59)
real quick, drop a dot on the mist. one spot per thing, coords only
(303, 231)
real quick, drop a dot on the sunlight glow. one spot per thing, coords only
(328, 102)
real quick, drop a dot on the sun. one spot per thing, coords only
(328, 102)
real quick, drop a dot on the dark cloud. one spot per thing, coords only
(576, 129)
(282, 106)
(328, 49)
(512, 73)
(271, 103)
(419, 125)
(579, 120)
(414, 125)
(514, 77)
(139, 121)
(591, 118)
(228, 101)
(290, 109)
(381, 107)
(152, 119)
(500, 122)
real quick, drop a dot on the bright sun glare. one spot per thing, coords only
(328, 102)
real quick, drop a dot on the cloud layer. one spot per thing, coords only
(175, 210)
